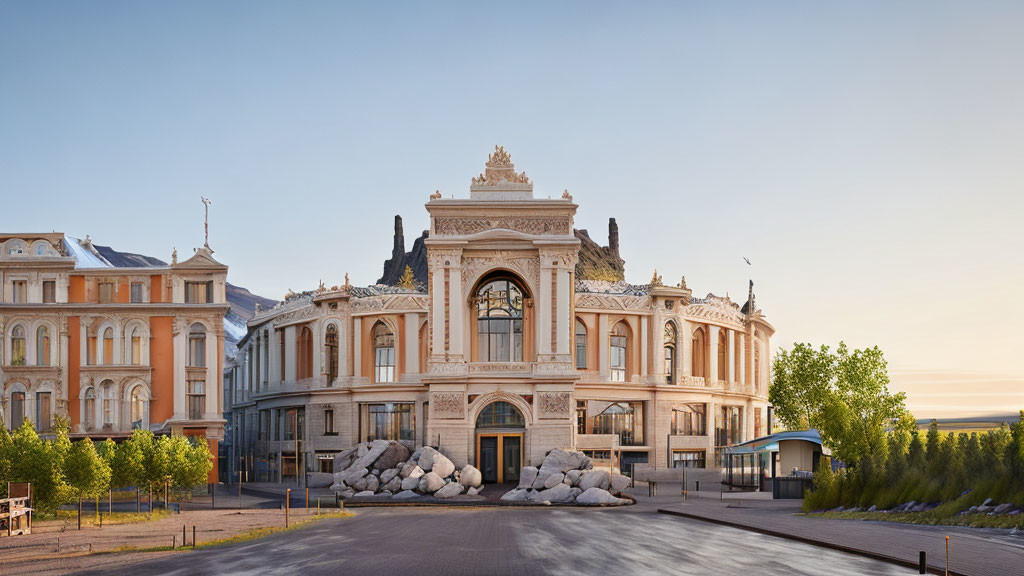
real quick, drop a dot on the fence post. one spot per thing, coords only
(947, 555)
(213, 496)
(922, 563)
(287, 505)
(79, 512)
(193, 536)
(110, 501)
(183, 540)
(307, 498)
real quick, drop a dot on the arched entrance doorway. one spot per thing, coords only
(499, 442)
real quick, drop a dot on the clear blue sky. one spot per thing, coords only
(867, 157)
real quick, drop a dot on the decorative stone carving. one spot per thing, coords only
(444, 226)
(448, 404)
(491, 367)
(612, 301)
(523, 264)
(717, 309)
(554, 404)
(499, 168)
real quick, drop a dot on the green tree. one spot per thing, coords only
(41, 463)
(87, 473)
(844, 395)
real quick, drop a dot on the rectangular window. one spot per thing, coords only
(384, 364)
(390, 421)
(689, 459)
(626, 419)
(137, 292)
(728, 426)
(325, 463)
(196, 399)
(280, 349)
(49, 291)
(581, 416)
(90, 351)
(197, 350)
(689, 420)
(199, 292)
(329, 422)
(17, 409)
(107, 292)
(20, 294)
(618, 359)
(43, 420)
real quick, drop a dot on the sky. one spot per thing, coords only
(866, 157)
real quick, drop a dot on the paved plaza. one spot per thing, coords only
(634, 540)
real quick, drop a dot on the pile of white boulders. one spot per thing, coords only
(568, 478)
(386, 468)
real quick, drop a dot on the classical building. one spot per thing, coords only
(111, 348)
(508, 334)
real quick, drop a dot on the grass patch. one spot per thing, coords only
(936, 517)
(89, 518)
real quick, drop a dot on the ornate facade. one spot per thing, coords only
(110, 349)
(502, 354)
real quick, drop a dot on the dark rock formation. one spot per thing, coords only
(598, 262)
(415, 259)
(127, 259)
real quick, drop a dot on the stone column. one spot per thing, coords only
(730, 341)
(289, 354)
(214, 377)
(543, 307)
(713, 361)
(357, 352)
(437, 318)
(602, 345)
(412, 343)
(563, 323)
(685, 352)
(712, 408)
(65, 364)
(180, 359)
(644, 327)
(455, 306)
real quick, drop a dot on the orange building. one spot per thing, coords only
(111, 349)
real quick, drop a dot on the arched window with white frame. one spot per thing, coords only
(670, 352)
(331, 352)
(383, 353)
(18, 346)
(43, 345)
(580, 336)
(197, 346)
(618, 344)
(108, 345)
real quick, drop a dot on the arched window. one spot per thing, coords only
(618, 341)
(135, 346)
(17, 409)
(331, 350)
(723, 355)
(107, 390)
(500, 321)
(670, 353)
(197, 346)
(138, 407)
(697, 358)
(18, 347)
(108, 346)
(43, 346)
(90, 409)
(304, 349)
(500, 415)
(581, 345)
(383, 353)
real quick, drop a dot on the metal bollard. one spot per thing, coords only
(193, 536)
(922, 563)
(183, 540)
(287, 505)
(947, 555)
(698, 486)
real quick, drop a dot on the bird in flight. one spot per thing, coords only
(747, 260)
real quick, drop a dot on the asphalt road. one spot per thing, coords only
(449, 541)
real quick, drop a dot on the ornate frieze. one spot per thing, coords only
(391, 302)
(448, 405)
(716, 309)
(612, 302)
(451, 226)
(554, 404)
(522, 263)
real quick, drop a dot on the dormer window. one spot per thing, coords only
(199, 292)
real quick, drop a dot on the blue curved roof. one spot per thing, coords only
(770, 442)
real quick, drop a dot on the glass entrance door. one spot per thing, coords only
(488, 458)
(511, 451)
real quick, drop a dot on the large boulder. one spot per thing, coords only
(364, 493)
(426, 460)
(346, 494)
(405, 494)
(411, 470)
(449, 490)
(387, 475)
(394, 485)
(395, 453)
(431, 482)
(559, 494)
(517, 495)
(597, 496)
(319, 479)
(559, 460)
(372, 483)
(410, 483)
(344, 459)
(594, 479)
(527, 475)
(363, 483)
(474, 490)
(470, 476)
(554, 480)
(351, 475)
(338, 487)
(618, 483)
(573, 476)
(542, 477)
(377, 447)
